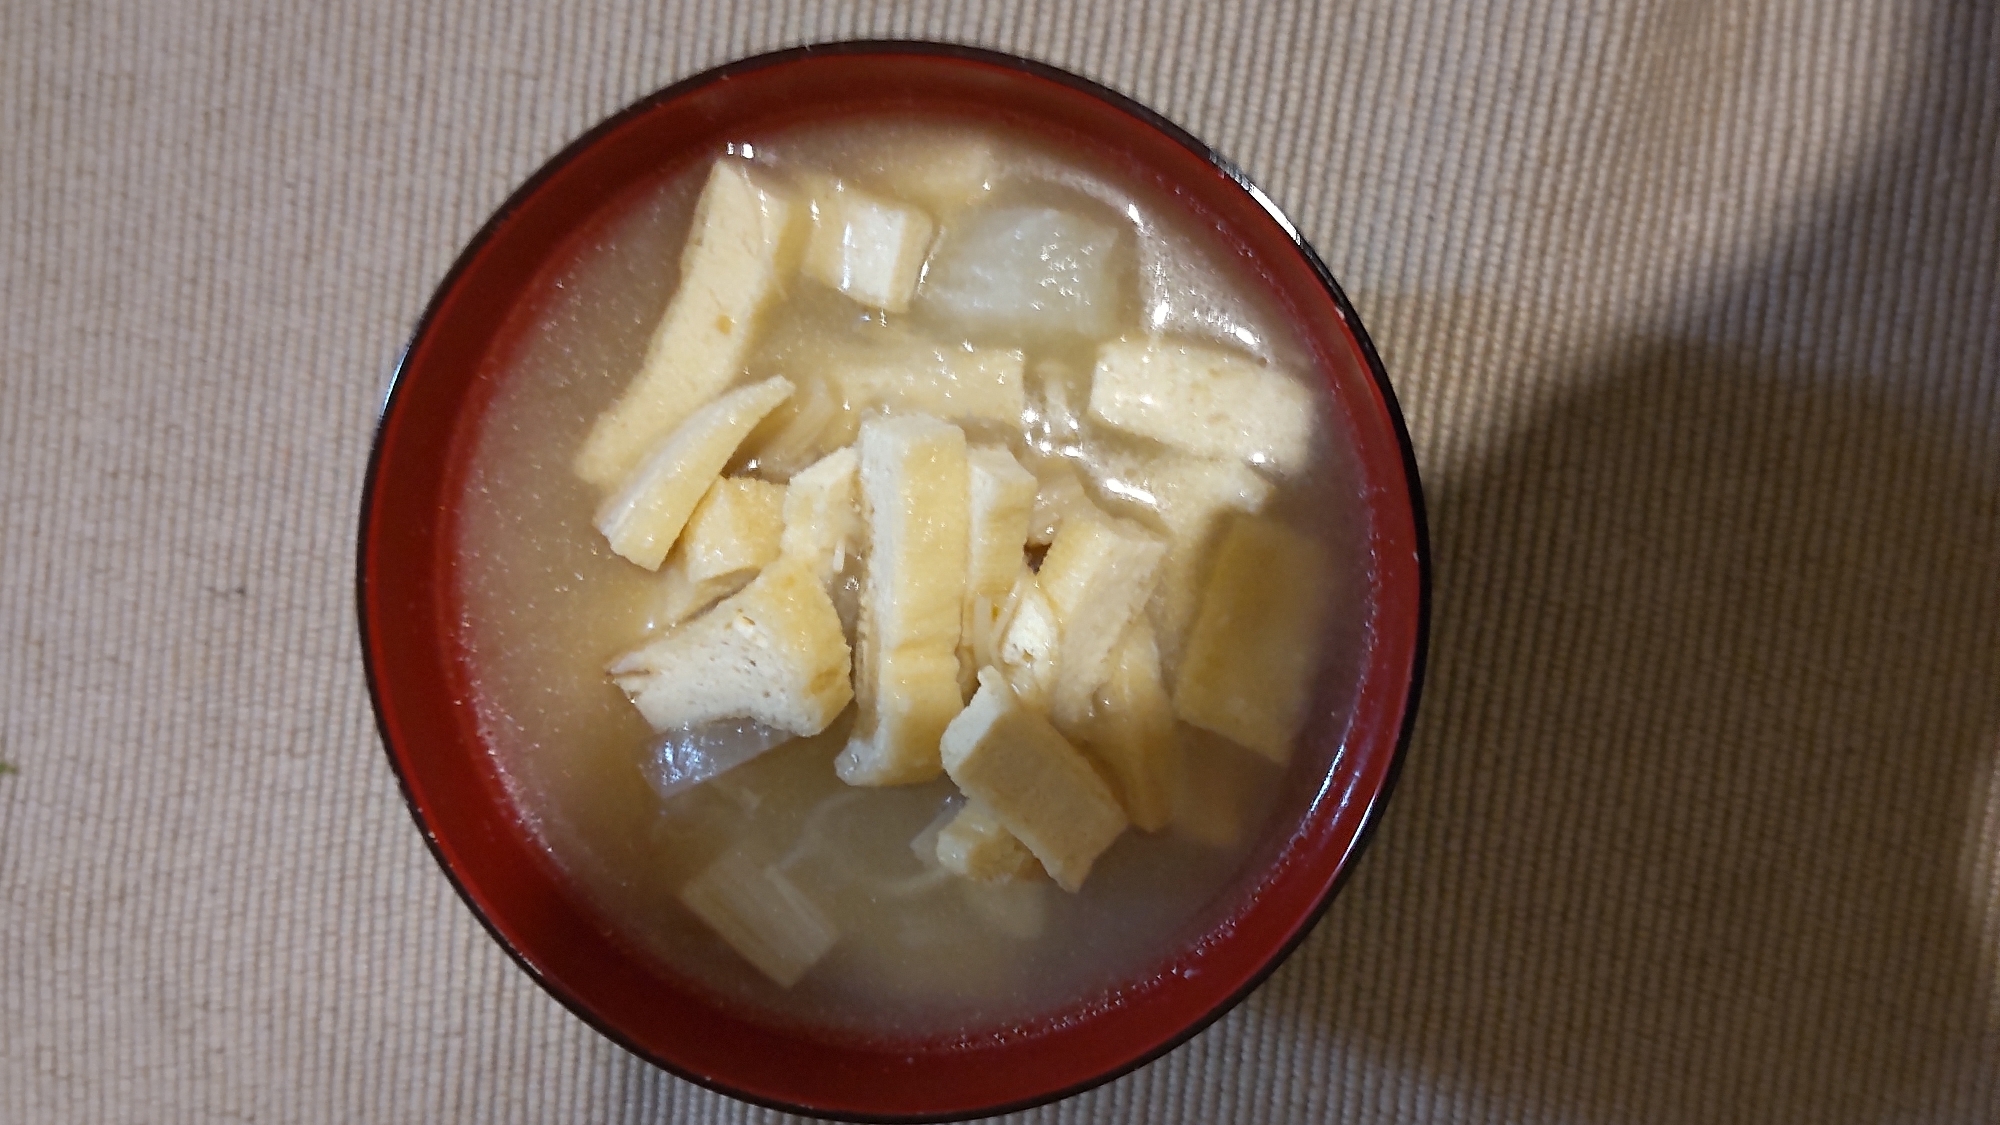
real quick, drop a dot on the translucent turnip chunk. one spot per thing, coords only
(1018, 273)
(689, 755)
(1180, 282)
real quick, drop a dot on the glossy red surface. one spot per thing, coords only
(408, 612)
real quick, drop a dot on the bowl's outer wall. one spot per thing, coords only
(420, 682)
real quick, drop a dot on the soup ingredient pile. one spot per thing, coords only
(884, 547)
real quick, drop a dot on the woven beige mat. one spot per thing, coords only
(1695, 309)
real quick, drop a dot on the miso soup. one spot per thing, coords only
(897, 563)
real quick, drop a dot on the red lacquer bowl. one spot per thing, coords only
(409, 609)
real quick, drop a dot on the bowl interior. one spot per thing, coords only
(420, 682)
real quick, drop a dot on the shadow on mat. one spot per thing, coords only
(1684, 830)
(1687, 830)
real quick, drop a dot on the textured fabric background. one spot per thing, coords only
(1695, 309)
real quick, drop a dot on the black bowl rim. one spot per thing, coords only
(1371, 816)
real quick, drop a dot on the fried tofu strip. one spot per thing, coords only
(1247, 671)
(915, 489)
(645, 516)
(733, 532)
(729, 271)
(1038, 786)
(1204, 400)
